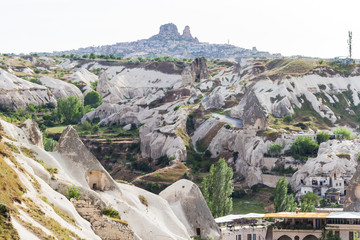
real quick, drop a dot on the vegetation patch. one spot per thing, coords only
(59, 212)
(343, 155)
(38, 215)
(167, 175)
(143, 200)
(12, 147)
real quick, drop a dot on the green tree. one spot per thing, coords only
(343, 132)
(93, 99)
(309, 201)
(283, 202)
(92, 56)
(69, 109)
(322, 136)
(275, 149)
(218, 187)
(304, 146)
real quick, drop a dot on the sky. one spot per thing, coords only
(315, 28)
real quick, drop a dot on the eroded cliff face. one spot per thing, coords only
(16, 92)
(143, 215)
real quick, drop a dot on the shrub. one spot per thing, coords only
(322, 136)
(109, 211)
(95, 128)
(93, 99)
(227, 126)
(49, 144)
(304, 146)
(72, 192)
(143, 200)
(176, 108)
(288, 119)
(343, 132)
(275, 149)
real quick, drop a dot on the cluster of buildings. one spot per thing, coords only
(290, 226)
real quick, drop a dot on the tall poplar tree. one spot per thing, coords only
(217, 189)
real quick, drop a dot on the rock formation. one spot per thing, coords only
(167, 32)
(61, 89)
(16, 92)
(352, 200)
(189, 205)
(33, 133)
(187, 35)
(196, 71)
(250, 111)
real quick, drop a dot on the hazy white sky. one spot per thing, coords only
(315, 28)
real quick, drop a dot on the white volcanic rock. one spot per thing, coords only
(119, 83)
(76, 165)
(327, 162)
(216, 98)
(33, 133)
(16, 92)
(61, 89)
(188, 203)
(85, 77)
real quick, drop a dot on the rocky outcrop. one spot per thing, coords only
(104, 227)
(196, 71)
(16, 92)
(84, 77)
(76, 156)
(352, 201)
(33, 133)
(186, 36)
(216, 99)
(250, 111)
(61, 89)
(167, 32)
(188, 203)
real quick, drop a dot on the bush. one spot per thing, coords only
(143, 200)
(343, 132)
(109, 211)
(304, 146)
(227, 126)
(176, 108)
(322, 136)
(72, 192)
(49, 144)
(288, 119)
(93, 99)
(95, 128)
(275, 149)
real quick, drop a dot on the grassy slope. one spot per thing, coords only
(256, 202)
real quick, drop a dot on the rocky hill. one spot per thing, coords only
(169, 42)
(162, 121)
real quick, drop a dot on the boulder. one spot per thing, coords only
(189, 205)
